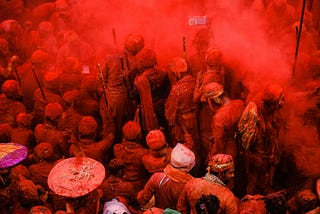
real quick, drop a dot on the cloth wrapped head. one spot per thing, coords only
(51, 80)
(24, 119)
(182, 158)
(147, 58)
(131, 130)
(40, 210)
(220, 162)
(11, 89)
(212, 90)
(87, 126)
(115, 207)
(39, 57)
(134, 43)
(44, 150)
(53, 111)
(156, 140)
(71, 96)
(178, 65)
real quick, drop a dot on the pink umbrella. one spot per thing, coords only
(74, 177)
(11, 154)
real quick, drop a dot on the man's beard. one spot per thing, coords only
(230, 183)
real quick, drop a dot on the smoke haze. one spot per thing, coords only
(237, 30)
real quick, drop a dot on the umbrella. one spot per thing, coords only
(77, 176)
(11, 154)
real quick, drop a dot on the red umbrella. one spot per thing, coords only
(11, 154)
(74, 177)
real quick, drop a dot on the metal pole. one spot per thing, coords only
(298, 39)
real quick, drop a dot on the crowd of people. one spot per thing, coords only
(189, 137)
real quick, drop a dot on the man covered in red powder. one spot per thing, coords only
(220, 175)
(71, 76)
(152, 86)
(49, 132)
(213, 72)
(89, 97)
(134, 43)
(43, 38)
(10, 106)
(40, 63)
(130, 152)
(119, 72)
(114, 185)
(197, 62)
(11, 30)
(259, 129)
(87, 145)
(49, 93)
(45, 159)
(166, 186)
(25, 192)
(22, 133)
(159, 152)
(180, 110)
(225, 120)
(224, 126)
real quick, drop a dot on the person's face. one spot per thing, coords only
(229, 178)
(230, 174)
(215, 102)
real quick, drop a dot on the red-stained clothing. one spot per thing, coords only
(40, 103)
(40, 171)
(29, 83)
(224, 127)
(23, 136)
(180, 107)
(9, 109)
(131, 153)
(165, 186)
(94, 150)
(196, 63)
(117, 97)
(70, 120)
(114, 186)
(264, 154)
(205, 116)
(156, 161)
(49, 133)
(195, 188)
(69, 81)
(153, 89)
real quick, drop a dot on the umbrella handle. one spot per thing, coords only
(3, 181)
(69, 207)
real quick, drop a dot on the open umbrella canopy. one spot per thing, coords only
(74, 177)
(11, 154)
